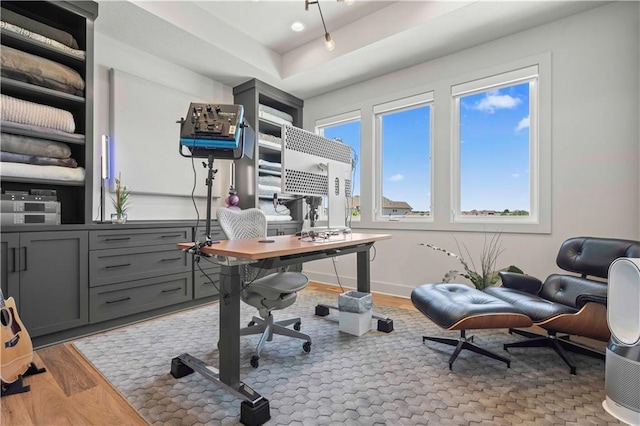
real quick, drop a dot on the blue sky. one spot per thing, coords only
(494, 152)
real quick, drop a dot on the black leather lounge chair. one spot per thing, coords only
(567, 304)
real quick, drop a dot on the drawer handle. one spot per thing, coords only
(171, 236)
(209, 282)
(118, 266)
(118, 300)
(171, 290)
(118, 239)
(172, 259)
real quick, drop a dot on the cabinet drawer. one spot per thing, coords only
(118, 300)
(108, 239)
(116, 265)
(202, 286)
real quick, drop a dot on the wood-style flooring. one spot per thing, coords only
(72, 392)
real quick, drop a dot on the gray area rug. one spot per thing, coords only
(377, 378)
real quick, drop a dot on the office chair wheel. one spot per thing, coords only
(296, 326)
(254, 361)
(251, 323)
(306, 347)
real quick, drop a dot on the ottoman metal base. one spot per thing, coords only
(464, 343)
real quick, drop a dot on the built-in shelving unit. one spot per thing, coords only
(76, 18)
(252, 95)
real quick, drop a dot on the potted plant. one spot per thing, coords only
(120, 202)
(488, 275)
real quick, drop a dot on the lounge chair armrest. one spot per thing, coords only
(583, 299)
(521, 282)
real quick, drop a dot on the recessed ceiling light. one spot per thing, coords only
(298, 26)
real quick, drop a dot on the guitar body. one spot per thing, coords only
(16, 349)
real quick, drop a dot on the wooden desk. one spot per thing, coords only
(284, 250)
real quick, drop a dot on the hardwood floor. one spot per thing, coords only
(72, 392)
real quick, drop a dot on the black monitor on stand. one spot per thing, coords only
(214, 131)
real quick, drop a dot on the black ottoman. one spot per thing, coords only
(460, 307)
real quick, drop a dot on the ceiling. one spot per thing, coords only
(233, 41)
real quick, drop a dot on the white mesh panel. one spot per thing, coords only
(301, 140)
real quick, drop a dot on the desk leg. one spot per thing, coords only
(231, 283)
(254, 409)
(364, 275)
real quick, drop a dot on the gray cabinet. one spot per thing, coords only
(137, 270)
(47, 274)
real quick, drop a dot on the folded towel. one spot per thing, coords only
(33, 146)
(39, 28)
(32, 69)
(25, 112)
(42, 172)
(12, 157)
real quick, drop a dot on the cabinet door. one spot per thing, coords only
(54, 281)
(10, 266)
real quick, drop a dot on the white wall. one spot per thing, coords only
(595, 145)
(110, 53)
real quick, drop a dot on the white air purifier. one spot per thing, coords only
(622, 365)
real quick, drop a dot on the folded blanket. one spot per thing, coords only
(12, 157)
(21, 111)
(268, 189)
(30, 171)
(40, 132)
(80, 54)
(32, 146)
(23, 66)
(269, 138)
(269, 180)
(264, 164)
(275, 112)
(39, 28)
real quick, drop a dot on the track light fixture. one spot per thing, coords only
(328, 41)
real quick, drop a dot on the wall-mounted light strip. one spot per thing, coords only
(104, 157)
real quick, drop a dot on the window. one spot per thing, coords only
(495, 148)
(346, 128)
(403, 144)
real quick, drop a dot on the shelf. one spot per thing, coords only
(270, 172)
(269, 147)
(75, 138)
(26, 44)
(40, 181)
(77, 19)
(270, 126)
(45, 94)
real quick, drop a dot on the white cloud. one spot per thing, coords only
(523, 124)
(515, 175)
(396, 178)
(493, 101)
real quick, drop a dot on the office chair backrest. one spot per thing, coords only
(593, 256)
(241, 224)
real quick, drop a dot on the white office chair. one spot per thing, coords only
(272, 292)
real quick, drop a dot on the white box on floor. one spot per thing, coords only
(354, 323)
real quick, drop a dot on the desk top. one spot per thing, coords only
(283, 245)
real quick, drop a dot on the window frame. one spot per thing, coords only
(441, 127)
(391, 107)
(531, 75)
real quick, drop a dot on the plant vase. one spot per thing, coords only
(118, 218)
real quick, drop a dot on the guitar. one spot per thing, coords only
(16, 349)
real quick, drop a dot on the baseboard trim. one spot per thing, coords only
(389, 289)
